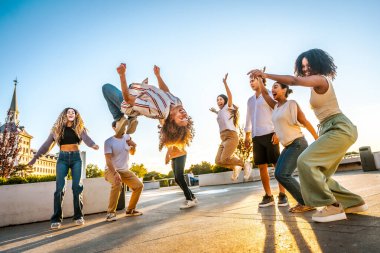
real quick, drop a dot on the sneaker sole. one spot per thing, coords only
(283, 204)
(122, 127)
(132, 127)
(187, 207)
(113, 219)
(131, 215)
(356, 209)
(334, 217)
(266, 205)
(55, 228)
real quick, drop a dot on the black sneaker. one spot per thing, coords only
(282, 200)
(267, 201)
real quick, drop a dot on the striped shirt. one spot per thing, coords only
(151, 102)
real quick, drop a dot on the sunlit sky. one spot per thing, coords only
(62, 52)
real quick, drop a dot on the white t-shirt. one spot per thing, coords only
(259, 116)
(225, 119)
(285, 122)
(119, 149)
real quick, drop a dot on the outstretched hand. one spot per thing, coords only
(121, 69)
(156, 70)
(225, 78)
(212, 109)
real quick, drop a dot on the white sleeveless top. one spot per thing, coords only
(285, 122)
(225, 119)
(324, 105)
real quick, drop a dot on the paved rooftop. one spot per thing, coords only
(226, 220)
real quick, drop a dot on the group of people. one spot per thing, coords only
(271, 118)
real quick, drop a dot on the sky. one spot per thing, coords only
(62, 52)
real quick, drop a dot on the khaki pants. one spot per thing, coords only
(130, 179)
(318, 163)
(225, 157)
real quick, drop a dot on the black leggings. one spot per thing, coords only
(178, 166)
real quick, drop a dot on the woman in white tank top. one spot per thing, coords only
(287, 117)
(228, 120)
(316, 165)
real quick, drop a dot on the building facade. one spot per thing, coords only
(46, 165)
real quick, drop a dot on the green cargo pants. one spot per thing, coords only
(320, 160)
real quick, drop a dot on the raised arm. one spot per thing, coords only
(161, 84)
(302, 119)
(316, 81)
(228, 91)
(123, 83)
(270, 101)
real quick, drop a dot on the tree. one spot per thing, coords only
(153, 175)
(217, 169)
(202, 168)
(92, 170)
(139, 169)
(9, 145)
(242, 152)
(170, 174)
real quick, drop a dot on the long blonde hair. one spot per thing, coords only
(60, 124)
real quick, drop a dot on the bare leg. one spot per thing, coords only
(264, 175)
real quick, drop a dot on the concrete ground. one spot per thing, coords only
(227, 219)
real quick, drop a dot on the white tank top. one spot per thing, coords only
(225, 119)
(285, 122)
(324, 105)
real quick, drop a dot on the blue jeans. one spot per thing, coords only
(114, 97)
(286, 164)
(65, 161)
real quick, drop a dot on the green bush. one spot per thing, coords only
(218, 169)
(164, 183)
(17, 180)
(2, 180)
(36, 179)
(25, 180)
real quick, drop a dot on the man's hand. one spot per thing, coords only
(121, 69)
(156, 70)
(96, 147)
(117, 177)
(275, 140)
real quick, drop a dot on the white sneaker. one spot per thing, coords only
(356, 209)
(195, 200)
(55, 225)
(247, 170)
(188, 204)
(236, 173)
(329, 213)
(111, 217)
(79, 222)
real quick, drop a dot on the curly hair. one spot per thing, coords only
(173, 135)
(320, 63)
(60, 124)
